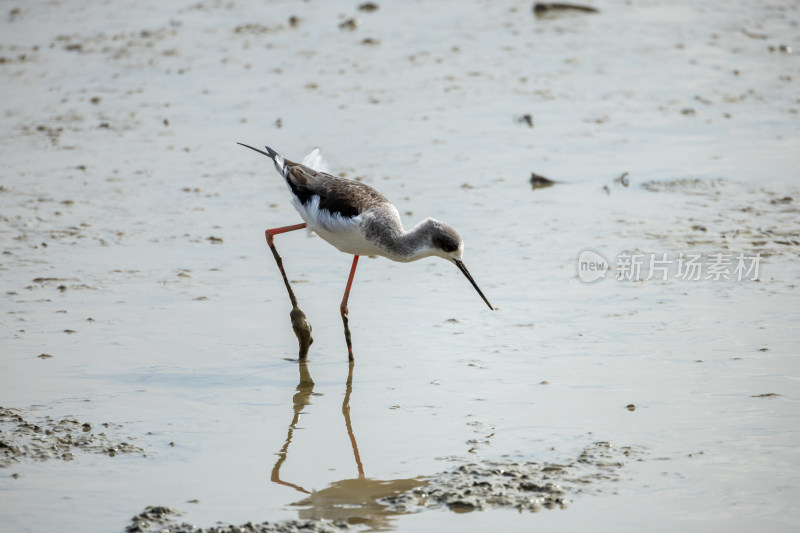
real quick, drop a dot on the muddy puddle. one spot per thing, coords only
(624, 176)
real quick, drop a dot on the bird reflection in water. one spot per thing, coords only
(355, 500)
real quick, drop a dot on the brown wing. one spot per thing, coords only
(336, 195)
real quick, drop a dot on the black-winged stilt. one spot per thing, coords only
(358, 220)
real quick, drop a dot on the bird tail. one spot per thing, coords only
(280, 162)
(315, 161)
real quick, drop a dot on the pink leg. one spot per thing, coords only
(343, 308)
(277, 231)
(301, 326)
(270, 234)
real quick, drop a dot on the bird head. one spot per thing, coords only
(447, 243)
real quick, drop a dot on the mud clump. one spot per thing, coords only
(49, 438)
(681, 184)
(302, 329)
(152, 518)
(368, 7)
(784, 200)
(548, 9)
(526, 119)
(524, 486)
(477, 487)
(350, 25)
(156, 519)
(540, 182)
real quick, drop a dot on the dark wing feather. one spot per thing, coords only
(336, 195)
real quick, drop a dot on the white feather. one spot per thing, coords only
(315, 161)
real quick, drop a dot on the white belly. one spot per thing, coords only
(342, 232)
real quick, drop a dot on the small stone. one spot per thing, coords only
(368, 7)
(349, 24)
(540, 182)
(526, 119)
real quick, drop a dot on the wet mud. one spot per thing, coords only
(156, 519)
(728, 215)
(471, 486)
(134, 278)
(27, 436)
(524, 486)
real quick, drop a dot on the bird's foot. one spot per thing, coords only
(302, 329)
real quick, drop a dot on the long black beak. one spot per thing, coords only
(462, 268)
(271, 156)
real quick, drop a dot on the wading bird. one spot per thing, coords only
(358, 220)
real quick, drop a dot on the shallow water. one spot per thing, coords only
(153, 222)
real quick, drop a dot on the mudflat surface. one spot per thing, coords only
(147, 377)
